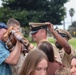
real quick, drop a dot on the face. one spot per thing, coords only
(73, 67)
(17, 27)
(2, 31)
(58, 45)
(41, 68)
(36, 36)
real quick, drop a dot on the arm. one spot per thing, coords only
(14, 55)
(60, 39)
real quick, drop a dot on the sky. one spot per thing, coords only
(68, 5)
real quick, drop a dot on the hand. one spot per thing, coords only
(50, 26)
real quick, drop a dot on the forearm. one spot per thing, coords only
(62, 42)
(59, 39)
(14, 55)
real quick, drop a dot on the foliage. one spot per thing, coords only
(33, 10)
(71, 12)
(74, 24)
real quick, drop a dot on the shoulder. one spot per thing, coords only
(3, 47)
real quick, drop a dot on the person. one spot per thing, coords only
(63, 54)
(73, 66)
(36, 63)
(47, 48)
(16, 26)
(63, 71)
(66, 51)
(7, 58)
(13, 23)
(39, 33)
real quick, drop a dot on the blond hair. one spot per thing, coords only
(12, 22)
(31, 61)
(63, 71)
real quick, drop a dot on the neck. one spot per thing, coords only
(40, 41)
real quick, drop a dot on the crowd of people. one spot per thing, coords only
(19, 57)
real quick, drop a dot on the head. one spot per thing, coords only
(73, 66)
(14, 23)
(47, 48)
(38, 31)
(65, 34)
(3, 29)
(36, 63)
(62, 71)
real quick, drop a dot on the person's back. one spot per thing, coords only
(47, 48)
(53, 66)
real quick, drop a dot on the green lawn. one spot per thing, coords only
(72, 41)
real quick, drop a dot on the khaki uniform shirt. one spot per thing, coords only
(16, 68)
(56, 54)
(66, 58)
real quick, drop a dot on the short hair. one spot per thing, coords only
(12, 22)
(32, 60)
(63, 71)
(47, 48)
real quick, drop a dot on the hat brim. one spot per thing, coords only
(33, 32)
(60, 31)
(37, 24)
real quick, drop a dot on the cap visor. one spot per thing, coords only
(33, 32)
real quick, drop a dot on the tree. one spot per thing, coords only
(74, 24)
(72, 28)
(34, 10)
(71, 12)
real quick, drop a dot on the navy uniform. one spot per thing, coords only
(66, 58)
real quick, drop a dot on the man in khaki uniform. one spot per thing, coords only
(66, 51)
(39, 33)
(17, 67)
(62, 54)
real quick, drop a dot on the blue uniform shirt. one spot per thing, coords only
(4, 53)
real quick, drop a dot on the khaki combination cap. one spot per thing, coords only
(64, 33)
(37, 26)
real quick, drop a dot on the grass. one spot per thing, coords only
(72, 41)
